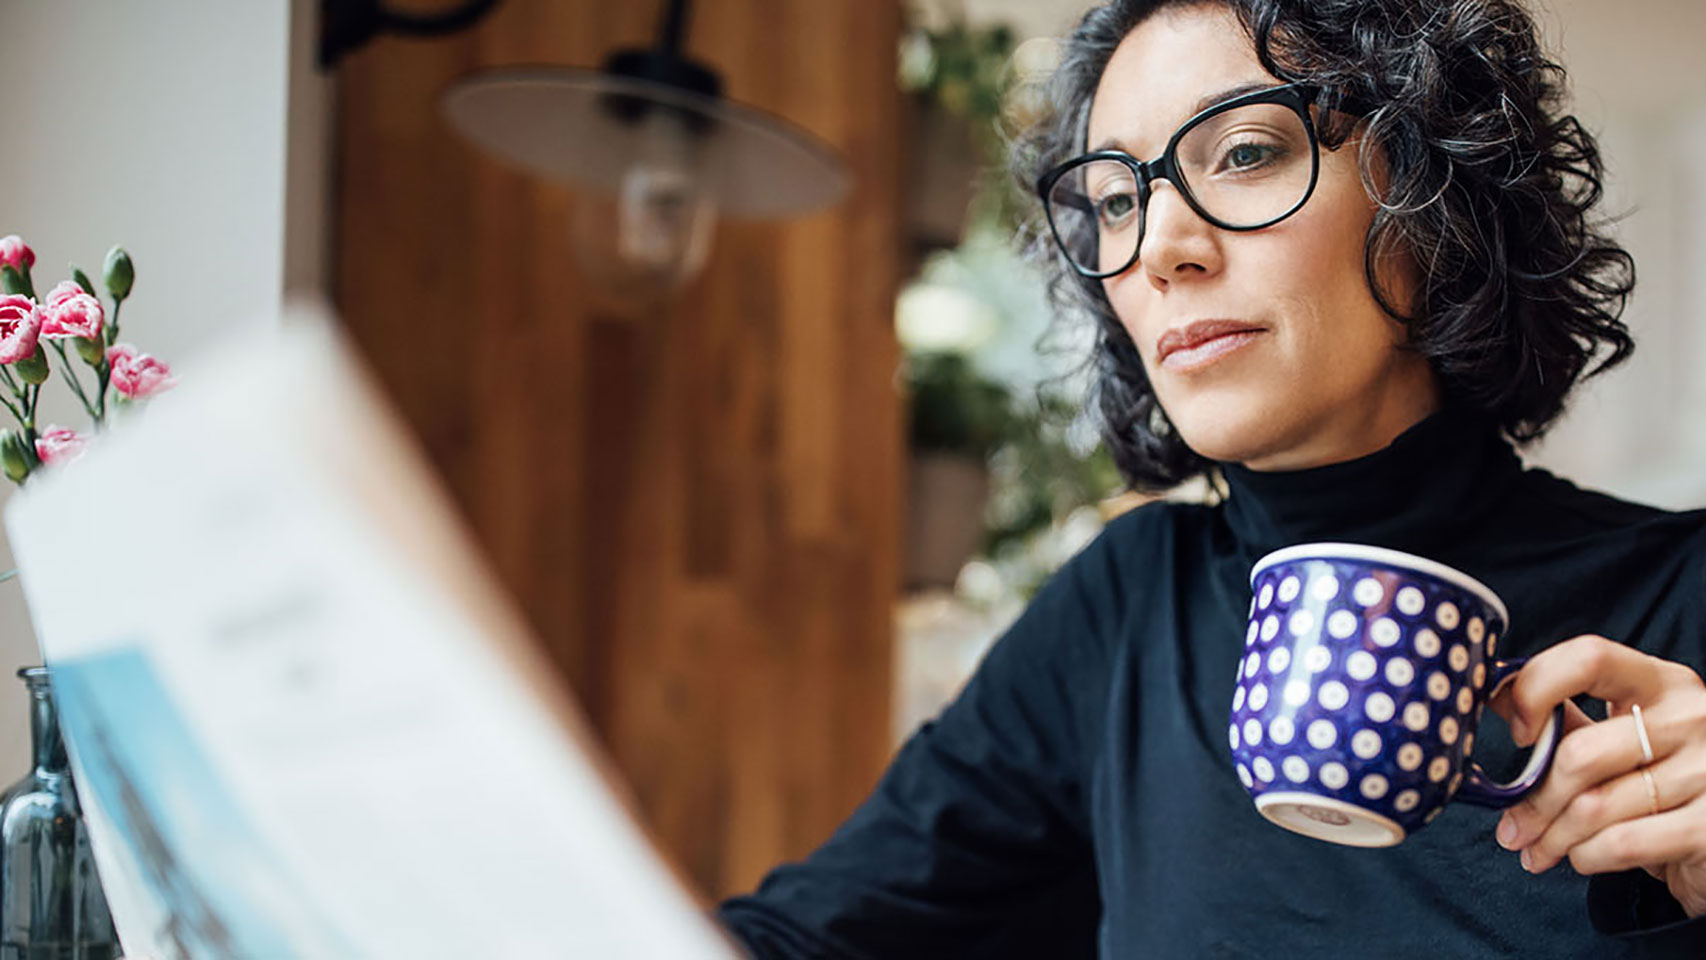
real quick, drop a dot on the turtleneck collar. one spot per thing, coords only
(1430, 484)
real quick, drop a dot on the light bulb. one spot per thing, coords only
(651, 235)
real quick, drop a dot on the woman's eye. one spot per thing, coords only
(1112, 209)
(1249, 156)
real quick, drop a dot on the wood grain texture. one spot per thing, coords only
(699, 511)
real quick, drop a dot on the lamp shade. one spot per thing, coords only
(587, 127)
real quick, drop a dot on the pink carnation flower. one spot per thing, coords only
(137, 375)
(20, 326)
(69, 312)
(16, 254)
(59, 445)
(61, 293)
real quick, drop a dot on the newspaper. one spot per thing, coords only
(303, 719)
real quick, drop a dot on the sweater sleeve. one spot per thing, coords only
(975, 843)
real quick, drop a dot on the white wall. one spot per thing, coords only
(172, 127)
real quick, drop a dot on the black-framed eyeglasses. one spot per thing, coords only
(1242, 164)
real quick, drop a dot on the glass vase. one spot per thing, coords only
(51, 904)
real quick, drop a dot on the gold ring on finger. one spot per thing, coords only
(1652, 790)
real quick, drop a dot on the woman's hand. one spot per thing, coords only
(1595, 806)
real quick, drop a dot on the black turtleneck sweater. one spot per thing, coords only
(1078, 799)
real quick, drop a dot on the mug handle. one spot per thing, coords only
(1480, 789)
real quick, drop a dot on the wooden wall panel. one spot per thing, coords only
(698, 510)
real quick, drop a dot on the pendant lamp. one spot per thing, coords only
(654, 153)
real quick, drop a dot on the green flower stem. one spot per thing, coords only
(104, 372)
(71, 376)
(11, 383)
(16, 413)
(112, 325)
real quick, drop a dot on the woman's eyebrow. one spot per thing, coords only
(1203, 103)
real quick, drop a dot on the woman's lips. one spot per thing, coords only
(1199, 344)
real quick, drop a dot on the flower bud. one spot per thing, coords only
(14, 456)
(92, 349)
(33, 368)
(120, 273)
(11, 281)
(82, 279)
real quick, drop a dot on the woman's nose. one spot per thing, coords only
(1177, 243)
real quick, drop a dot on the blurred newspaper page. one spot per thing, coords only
(304, 720)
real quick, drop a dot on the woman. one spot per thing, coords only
(1382, 267)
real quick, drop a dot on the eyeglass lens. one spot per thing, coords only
(1245, 167)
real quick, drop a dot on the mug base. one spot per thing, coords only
(1325, 818)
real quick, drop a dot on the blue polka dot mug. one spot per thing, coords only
(1364, 674)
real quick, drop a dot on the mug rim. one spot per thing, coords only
(1385, 556)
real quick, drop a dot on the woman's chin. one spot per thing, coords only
(1242, 434)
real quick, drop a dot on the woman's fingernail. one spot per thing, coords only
(1507, 832)
(1527, 861)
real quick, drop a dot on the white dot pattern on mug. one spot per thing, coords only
(1446, 615)
(1410, 601)
(1297, 693)
(1416, 716)
(1432, 815)
(1458, 657)
(1365, 744)
(1439, 685)
(1409, 757)
(1384, 631)
(1399, 673)
(1318, 659)
(1492, 643)
(1374, 786)
(1378, 707)
(1337, 643)
(1333, 695)
(1427, 643)
(1456, 781)
(1252, 664)
(1468, 743)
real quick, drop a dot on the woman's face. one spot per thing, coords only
(1313, 373)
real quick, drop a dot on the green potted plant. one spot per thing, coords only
(958, 419)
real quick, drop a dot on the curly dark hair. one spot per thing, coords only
(1490, 188)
